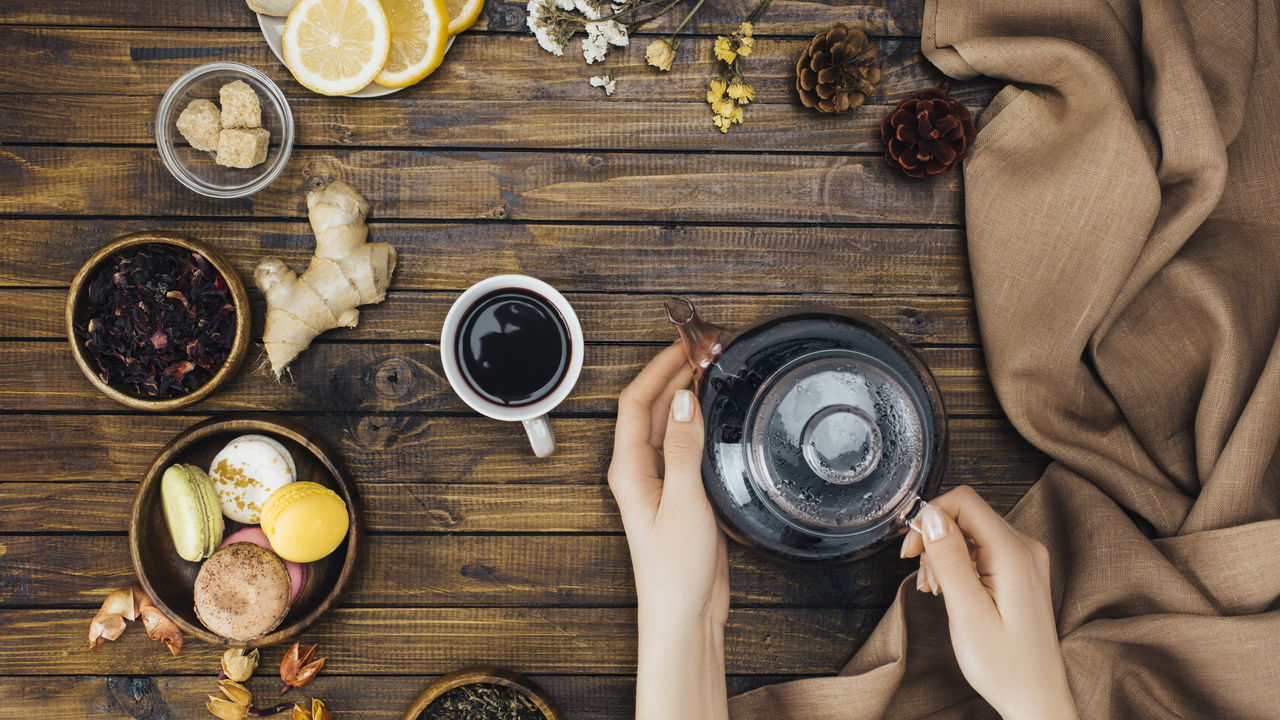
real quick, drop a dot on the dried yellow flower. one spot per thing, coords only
(724, 50)
(723, 107)
(238, 664)
(234, 705)
(722, 123)
(660, 54)
(736, 115)
(318, 711)
(742, 92)
(745, 30)
(716, 90)
(744, 46)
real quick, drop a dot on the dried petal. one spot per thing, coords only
(318, 711)
(297, 668)
(236, 692)
(109, 623)
(660, 54)
(104, 628)
(239, 664)
(225, 709)
(158, 625)
(236, 703)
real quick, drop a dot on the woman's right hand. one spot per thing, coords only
(995, 582)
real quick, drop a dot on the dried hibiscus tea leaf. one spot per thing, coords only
(160, 321)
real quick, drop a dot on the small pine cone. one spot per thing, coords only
(928, 133)
(838, 70)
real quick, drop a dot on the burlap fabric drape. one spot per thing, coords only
(1123, 218)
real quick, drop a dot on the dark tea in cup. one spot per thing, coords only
(513, 347)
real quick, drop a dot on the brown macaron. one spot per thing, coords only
(242, 592)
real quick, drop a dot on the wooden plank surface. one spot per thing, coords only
(881, 17)
(492, 185)
(597, 697)
(408, 316)
(380, 377)
(432, 122)
(506, 66)
(410, 448)
(393, 641)
(667, 258)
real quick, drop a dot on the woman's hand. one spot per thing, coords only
(995, 581)
(677, 550)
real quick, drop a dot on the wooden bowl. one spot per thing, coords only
(169, 579)
(485, 674)
(77, 309)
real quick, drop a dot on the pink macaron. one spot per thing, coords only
(254, 534)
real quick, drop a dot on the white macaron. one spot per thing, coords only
(246, 472)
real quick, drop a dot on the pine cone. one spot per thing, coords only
(928, 133)
(838, 70)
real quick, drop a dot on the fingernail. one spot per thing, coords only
(933, 581)
(682, 406)
(902, 551)
(935, 526)
(920, 581)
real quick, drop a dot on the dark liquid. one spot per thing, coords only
(513, 347)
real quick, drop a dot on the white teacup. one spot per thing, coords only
(533, 415)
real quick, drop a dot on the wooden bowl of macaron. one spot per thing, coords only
(246, 530)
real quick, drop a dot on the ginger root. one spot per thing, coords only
(345, 272)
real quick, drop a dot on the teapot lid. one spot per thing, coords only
(834, 441)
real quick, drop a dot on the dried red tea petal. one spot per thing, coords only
(161, 320)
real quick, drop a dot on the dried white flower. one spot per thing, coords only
(613, 31)
(538, 19)
(591, 9)
(595, 45)
(604, 82)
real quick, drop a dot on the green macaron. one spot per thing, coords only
(192, 511)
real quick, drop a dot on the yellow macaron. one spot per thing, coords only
(304, 521)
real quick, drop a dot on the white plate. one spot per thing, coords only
(273, 27)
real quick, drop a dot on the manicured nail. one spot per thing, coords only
(933, 581)
(920, 579)
(902, 551)
(935, 525)
(682, 406)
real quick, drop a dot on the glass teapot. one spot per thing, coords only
(825, 430)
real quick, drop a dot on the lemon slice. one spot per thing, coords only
(463, 14)
(419, 36)
(335, 47)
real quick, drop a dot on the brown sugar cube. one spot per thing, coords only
(240, 107)
(242, 147)
(199, 124)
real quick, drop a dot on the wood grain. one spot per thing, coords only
(433, 122)
(599, 697)
(509, 67)
(574, 258)
(410, 316)
(402, 450)
(490, 185)
(460, 571)
(392, 641)
(378, 377)
(882, 17)
(421, 507)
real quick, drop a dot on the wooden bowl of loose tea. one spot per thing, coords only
(157, 321)
(483, 693)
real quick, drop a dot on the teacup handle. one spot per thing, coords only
(541, 437)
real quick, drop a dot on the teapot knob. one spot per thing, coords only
(842, 444)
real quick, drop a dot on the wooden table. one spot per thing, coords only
(504, 161)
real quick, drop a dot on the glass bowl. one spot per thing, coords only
(196, 168)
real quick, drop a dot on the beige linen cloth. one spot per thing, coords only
(1123, 218)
